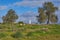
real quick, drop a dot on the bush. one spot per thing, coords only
(16, 35)
(2, 27)
(20, 22)
(8, 38)
(37, 33)
(2, 35)
(30, 34)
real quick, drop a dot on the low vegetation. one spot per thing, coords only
(30, 32)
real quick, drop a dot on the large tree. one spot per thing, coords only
(10, 17)
(47, 13)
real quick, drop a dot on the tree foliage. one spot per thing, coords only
(10, 17)
(47, 13)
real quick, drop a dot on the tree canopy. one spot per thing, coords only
(47, 13)
(10, 17)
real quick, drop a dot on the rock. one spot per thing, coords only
(21, 24)
(45, 29)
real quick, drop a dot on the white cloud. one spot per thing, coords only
(32, 3)
(3, 7)
(29, 3)
(41, 0)
(29, 15)
(31, 0)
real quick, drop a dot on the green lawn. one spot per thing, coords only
(29, 32)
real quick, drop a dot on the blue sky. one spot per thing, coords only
(25, 9)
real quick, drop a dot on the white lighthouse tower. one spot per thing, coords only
(29, 21)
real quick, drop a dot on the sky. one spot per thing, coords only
(26, 9)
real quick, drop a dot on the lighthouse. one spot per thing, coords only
(29, 21)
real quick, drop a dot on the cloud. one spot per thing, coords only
(32, 3)
(31, 0)
(29, 15)
(29, 3)
(41, 0)
(3, 7)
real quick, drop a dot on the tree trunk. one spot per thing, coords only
(48, 20)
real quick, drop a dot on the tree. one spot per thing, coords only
(47, 13)
(42, 16)
(10, 17)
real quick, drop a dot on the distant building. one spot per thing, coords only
(29, 21)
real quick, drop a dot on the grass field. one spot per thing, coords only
(29, 32)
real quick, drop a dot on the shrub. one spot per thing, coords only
(30, 34)
(2, 27)
(16, 35)
(8, 38)
(20, 22)
(2, 35)
(37, 33)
